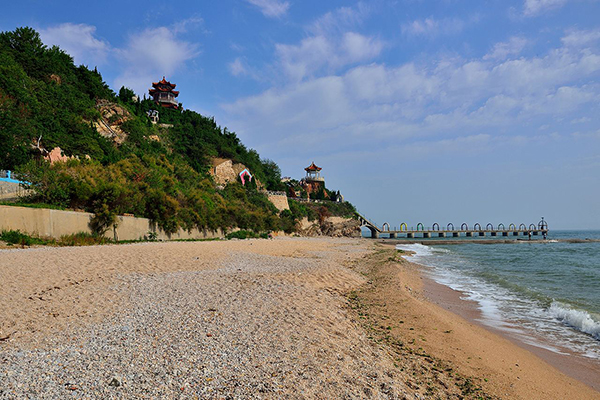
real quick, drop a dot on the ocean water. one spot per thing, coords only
(545, 294)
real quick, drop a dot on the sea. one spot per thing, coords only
(545, 294)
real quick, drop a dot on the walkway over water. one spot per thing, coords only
(541, 229)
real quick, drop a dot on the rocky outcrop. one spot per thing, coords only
(225, 171)
(112, 117)
(331, 226)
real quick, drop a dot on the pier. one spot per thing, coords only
(435, 231)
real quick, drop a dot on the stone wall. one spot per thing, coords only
(279, 201)
(56, 223)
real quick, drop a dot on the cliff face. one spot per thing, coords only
(331, 226)
(113, 116)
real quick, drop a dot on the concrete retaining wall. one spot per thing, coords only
(56, 223)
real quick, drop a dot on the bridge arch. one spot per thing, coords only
(477, 227)
(464, 227)
(450, 225)
(420, 225)
(501, 225)
(436, 227)
(542, 224)
(522, 227)
(403, 226)
(532, 227)
(385, 227)
(512, 227)
(489, 227)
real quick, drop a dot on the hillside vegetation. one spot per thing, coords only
(156, 172)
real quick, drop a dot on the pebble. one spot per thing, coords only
(274, 336)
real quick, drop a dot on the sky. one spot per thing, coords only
(418, 111)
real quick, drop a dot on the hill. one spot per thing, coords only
(116, 160)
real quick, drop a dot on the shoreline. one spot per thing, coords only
(578, 367)
(446, 327)
(585, 370)
(433, 242)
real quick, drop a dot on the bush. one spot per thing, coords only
(82, 239)
(17, 237)
(243, 234)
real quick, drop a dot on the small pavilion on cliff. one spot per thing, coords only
(313, 182)
(162, 92)
(313, 173)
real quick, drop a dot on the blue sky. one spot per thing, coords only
(418, 111)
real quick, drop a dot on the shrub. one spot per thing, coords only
(17, 237)
(82, 239)
(242, 234)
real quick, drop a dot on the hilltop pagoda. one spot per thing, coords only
(162, 92)
(313, 182)
(313, 173)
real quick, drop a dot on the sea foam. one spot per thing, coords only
(580, 320)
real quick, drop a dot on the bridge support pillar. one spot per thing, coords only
(393, 235)
(410, 235)
(469, 234)
(442, 234)
(426, 235)
(455, 234)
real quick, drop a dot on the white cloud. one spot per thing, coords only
(317, 52)
(271, 8)
(150, 54)
(79, 41)
(582, 120)
(339, 20)
(431, 27)
(576, 38)
(504, 49)
(371, 105)
(535, 7)
(237, 67)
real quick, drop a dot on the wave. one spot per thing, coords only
(577, 319)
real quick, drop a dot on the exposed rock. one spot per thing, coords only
(55, 78)
(225, 171)
(112, 117)
(331, 226)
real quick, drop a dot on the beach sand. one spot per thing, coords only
(283, 318)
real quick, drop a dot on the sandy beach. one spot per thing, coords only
(285, 318)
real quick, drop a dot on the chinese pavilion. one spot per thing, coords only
(313, 182)
(162, 92)
(313, 173)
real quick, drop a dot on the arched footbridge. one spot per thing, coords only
(466, 230)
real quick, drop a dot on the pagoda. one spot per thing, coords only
(313, 182)
(162, 92)
(313, 173)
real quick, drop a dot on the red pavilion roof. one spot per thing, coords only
(313, 167)
(164, 82)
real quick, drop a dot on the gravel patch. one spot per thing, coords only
(259, 327)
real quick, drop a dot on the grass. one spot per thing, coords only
(31, 205)
(16, 237)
